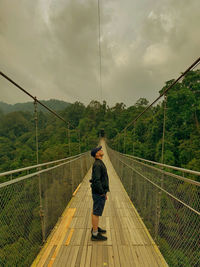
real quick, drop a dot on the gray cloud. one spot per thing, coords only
(163, 40)
(51, 47)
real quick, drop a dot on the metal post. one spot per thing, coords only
(164, 122)
(39, 178)
(162, 176)
(124, 141)
(36, 130)
(81, 159)
(86, 143)
(69, 140)
(115, 140)
(79, 139)
(133, 138)
(118, 142)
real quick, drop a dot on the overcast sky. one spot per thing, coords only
(50, 47)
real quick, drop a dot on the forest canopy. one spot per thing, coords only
(182, 146)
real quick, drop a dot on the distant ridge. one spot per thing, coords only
(54, 104)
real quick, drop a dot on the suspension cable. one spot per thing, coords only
(195, 65)
(33, 97)
(99, 42)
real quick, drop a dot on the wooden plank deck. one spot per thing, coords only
(128, 244)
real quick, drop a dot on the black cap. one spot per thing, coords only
(95, 150)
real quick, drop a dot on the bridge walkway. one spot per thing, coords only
(129, 242)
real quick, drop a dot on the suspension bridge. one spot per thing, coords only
(66, 228)
(129, 242)
(151, 215)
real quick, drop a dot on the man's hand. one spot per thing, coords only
(106, 197)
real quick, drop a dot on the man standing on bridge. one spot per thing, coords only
(100, 187)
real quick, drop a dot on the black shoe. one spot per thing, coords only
(100, 230)
(99, 237)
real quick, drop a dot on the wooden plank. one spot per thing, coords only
(128, 255)
(77, 237)
(135, 257)
(94, 255)
(73, 255)
(82, 240)
(105, 260)
(74, 193)
(73, 222)
(63, 256)
(69, 237)
(68, 221)
(151, 259)
(143, 255)
(115, 248)
(57, 236)
(155, 256)
(79, 222)
(109, 240)
(122, 257)
(110, 257)
(83, 257)
(99, 255)
(127, 236)
(87, 238)
(88, 257)
(50, 255)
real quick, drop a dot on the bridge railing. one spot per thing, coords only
(9, 175)
(168, 203)
(30, 206)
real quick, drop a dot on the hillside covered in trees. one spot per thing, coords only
(28, 106)
(182, 146)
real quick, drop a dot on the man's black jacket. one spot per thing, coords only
(99, 181)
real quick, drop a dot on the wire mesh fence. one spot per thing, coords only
(30, 206)
(168, 204)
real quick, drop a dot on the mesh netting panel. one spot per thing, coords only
(30, 207)
(168, 205)
(20, 226)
